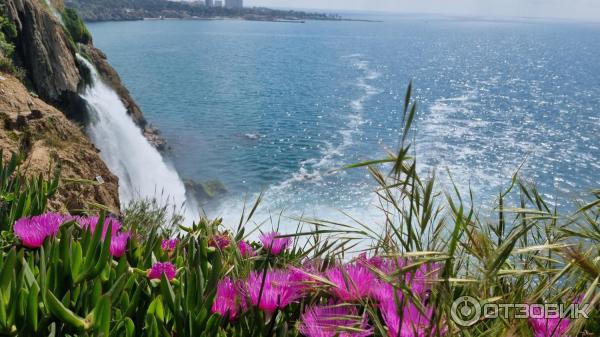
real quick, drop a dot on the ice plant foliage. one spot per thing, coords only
(278, 289)
(228, 301)
(160, 268)
(275, 244)
(33, 231)
(547, 324)
(332, 321)
(169, 245)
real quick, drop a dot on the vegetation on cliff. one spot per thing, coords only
(75, 26)
(88, 275)
(108, 10)
(8, 33)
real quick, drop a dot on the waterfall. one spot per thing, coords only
(142, 171)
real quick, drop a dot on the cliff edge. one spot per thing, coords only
(46, 138)
(42, 115)
(48, 38)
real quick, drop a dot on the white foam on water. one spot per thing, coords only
(315, 171)
(142, 171)
(332, 156)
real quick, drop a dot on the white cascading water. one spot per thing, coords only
(141, 169)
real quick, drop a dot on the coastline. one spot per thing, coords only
(239, 18)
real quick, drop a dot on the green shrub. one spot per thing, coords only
(21, 195)
(75, 26)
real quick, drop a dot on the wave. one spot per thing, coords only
(315, 169)
(305, 193)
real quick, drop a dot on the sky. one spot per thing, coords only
(569, 9)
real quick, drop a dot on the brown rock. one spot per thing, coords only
(50, 139)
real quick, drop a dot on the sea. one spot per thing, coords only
(279, 108)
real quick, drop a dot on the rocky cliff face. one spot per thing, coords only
(47, 52)
(44, 115)
(48, 138)
(43, 48)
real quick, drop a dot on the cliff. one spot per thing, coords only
(47, 138)
(47, 51)
(42, 114)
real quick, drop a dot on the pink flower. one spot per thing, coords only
(118, 244)
(278, 290)
(274, 244)
(228, 299)
(547, 324)
(353, 282)
(332, 321)
(91, 222)
(301, 279)
(33, 231)
(246, 249)
(413, 322)
(417, 279)
(160, 268)
(169, 245)
(220, 241)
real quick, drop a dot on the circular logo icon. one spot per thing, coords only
(465, 311)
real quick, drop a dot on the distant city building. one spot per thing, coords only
(209, 3)
(234, 3)
(219, 3)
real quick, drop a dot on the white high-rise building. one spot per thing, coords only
(234, 3)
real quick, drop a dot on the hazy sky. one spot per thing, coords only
(573, 9)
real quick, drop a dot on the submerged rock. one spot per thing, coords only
(205, 191)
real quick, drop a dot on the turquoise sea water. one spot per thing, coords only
(276, 107)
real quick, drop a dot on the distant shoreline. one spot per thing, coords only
(136, 10)
(224, 18)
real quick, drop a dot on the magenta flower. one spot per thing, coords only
(417, 280)
(118, 244)
(160, 268)
(228, 300)
(413, 322)
(301, 279)
(246, 249)
(332, 321)
(91, 222)
(353, 282)
(220, 241)
(278, 290)
(547, 324)
(169, 245)
(33, 231)
(274, 244)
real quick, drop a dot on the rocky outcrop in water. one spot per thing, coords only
(46, 138)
